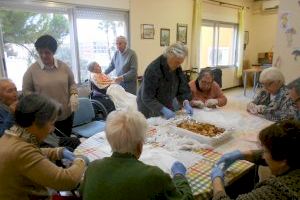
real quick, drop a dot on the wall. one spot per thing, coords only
(262, 34)
(289, 65)
(163, 14)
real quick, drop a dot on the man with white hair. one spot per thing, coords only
(124, 62)
(163, 82)
(294, 92)
(123, 176)
(8, 102)
(273, 101)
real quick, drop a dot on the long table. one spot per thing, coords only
(246, 127)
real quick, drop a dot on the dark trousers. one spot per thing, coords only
(65, 126)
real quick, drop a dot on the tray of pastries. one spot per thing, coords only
(203, 132)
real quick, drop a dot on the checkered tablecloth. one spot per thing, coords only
(198, 175)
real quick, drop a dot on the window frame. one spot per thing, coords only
(216, 36)
(58, 8)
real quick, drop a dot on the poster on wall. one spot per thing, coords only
(285, 20)
(296, 53)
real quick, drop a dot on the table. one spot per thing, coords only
(255, 71)
(199, 174)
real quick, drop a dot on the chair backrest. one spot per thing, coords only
(85, 112)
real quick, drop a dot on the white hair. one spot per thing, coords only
(3, 81)
(177, 49)
(122, 38)
(125, 130)
(271, 74)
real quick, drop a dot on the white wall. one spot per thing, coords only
(163, 14)
(288, 65)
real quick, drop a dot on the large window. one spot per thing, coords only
(83, 35)
(218, 44)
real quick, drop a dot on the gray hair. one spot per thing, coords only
(123, 38)
(125, 130)
(271, 74)
(91, 65)
(295, 84)
(204, 71)
(177, 49)
(36, 108)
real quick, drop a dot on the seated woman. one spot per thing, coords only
(99, 79)
(280, 149)
(206, 92)
(294, 92)
(25, 169)
(273, 101)
(123, 176)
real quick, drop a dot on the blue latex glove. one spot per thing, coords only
(167, 113)
(68, 155)
(188, 108)
(178, 168)
(230, 158)
(217, 172)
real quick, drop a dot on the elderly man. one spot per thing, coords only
(163, 82)
(124, 62)
(206, 92)
(123, 176)
(8, 101)
(273, 101)
(294, 92)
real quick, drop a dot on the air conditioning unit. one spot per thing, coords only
(270, 6)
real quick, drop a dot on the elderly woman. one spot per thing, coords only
(273, 101)
(25, 169)
(53, 78)
(206, 92)
(294, 92)
(280, 149)
(123, 176)
(162, 82)
(99, 80)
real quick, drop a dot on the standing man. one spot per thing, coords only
(163, 82)
(124, 62)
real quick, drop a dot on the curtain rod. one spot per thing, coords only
(229, 4)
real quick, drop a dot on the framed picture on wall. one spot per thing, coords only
(164, 37)
(181, 33)
(147, 31)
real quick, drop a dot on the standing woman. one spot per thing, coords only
(53, 78)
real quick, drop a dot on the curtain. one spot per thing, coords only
(241, 31)
(195, 47)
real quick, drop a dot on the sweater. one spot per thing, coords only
(57, 83)
(214, 93)
(26, 170)
(123, 177)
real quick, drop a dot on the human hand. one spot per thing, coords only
(198, 103)
(13, 106)
(119, 79)
(251, 107)
(167, 113)
(68, 154)
(84, 158)
(211, 103)
(217, 172)
(74, 102)
(178, 168)
(260, 108)
(187, 107)
(230, 158)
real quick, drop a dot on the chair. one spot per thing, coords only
(83, 124)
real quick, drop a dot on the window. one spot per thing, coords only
(218, 44)
(83, 35)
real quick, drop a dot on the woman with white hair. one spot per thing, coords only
(164, 81)
(123, 176)
(273, 101)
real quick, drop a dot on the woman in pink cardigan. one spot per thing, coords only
(206, 92)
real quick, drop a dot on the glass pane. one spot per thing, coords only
(206, 46)
(100, 44)
(21, 29)
(226, 48)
